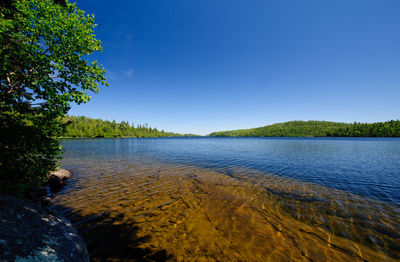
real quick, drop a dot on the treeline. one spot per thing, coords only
(320, 129)
(80, 126)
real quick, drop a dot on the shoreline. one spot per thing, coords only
(282, 137)
(31, 231)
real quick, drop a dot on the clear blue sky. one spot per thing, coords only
(197, 66)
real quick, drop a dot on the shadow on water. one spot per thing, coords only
(112, 237)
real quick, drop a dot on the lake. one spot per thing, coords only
(235, 199)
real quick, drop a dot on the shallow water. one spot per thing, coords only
(218, 199)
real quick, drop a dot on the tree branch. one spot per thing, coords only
(11, 88)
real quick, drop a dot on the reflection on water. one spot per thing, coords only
(364, 166)
(142, 208)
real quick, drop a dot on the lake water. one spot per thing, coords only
(235, 199)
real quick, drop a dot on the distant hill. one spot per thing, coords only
(319, 129)
(80, 126)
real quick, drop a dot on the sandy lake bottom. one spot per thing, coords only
(152, 210)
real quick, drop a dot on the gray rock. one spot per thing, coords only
(30, 232)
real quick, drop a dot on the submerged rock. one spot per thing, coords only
(30, 232)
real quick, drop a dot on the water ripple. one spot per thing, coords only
(228, 208)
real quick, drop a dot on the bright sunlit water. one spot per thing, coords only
(236, 198)
(364, 166)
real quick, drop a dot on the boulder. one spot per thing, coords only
(30, 232)
(57, 179)
(63, 174)
(55, 183)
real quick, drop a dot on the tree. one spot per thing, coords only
(43, 49)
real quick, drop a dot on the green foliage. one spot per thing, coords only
(80, 126)
(43, 45)
(42, 50)
(319, 129)
(28, 150)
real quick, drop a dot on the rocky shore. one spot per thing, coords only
(31, 232)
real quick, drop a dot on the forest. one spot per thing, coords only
(80, 126)
(319, 129)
